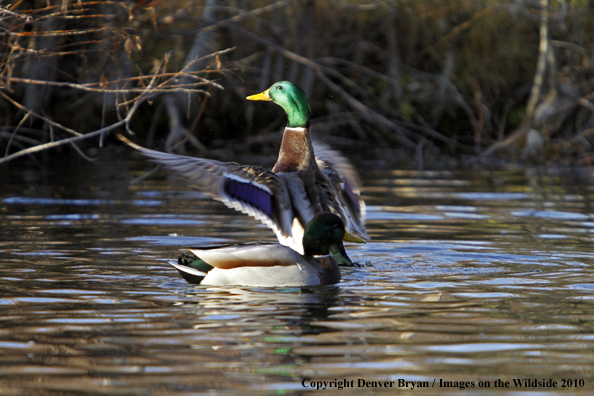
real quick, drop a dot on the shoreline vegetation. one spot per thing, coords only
(421, 80)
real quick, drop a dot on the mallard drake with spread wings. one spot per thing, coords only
(297, 188)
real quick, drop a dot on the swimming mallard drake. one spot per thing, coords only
(271, 264)
(298, 188)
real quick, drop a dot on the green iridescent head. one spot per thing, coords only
(291, 98)
(323, 235)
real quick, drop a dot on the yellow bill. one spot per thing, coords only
(352, 238)
(261, 96)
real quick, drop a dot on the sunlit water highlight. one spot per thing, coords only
(470, 278)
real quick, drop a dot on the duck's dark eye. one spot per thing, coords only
(279, 87)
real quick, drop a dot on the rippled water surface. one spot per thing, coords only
(472, 279)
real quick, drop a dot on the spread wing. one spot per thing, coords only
(341, 189)
(249, 189)
(328, 158)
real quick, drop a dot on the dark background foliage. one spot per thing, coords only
(421, 78)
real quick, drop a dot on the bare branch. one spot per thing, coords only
(541, 65)
(44, 119)
(61, 142)
(15, 131)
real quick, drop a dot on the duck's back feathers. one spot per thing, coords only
(256, 255)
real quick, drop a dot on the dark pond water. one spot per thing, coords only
(473, 279)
